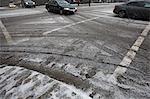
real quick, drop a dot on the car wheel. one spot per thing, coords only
(122, 14)
(61, 12)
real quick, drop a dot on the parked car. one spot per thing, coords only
(11, 4)
(28, 3)
(60, 6)
(134, 9)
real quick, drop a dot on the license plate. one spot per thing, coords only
(73, 10)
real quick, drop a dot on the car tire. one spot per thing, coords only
(122, 14)
(61, 12)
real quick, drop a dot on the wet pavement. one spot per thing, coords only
(82, 50)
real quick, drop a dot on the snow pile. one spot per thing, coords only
(16, 82)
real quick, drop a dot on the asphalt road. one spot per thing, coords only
(84, 50)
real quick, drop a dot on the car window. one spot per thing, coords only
(63, 2)
(137, 4)
(147, 5)
(55, 3)
(52, 2)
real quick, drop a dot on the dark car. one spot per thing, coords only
(134, 9)
(28, 3)
(60, 6)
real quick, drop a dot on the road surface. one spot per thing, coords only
(95, 51)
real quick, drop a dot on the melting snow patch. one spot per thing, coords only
(71, 69)
(79, 92)
(23, 83)
(48, 21)
(42, 21)
(38, 60)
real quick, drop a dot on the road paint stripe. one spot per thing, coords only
(102, 15)
(20, 41)
(129, 56)
(95, 13)
(45, 33)
(5, 32)
(108, 11)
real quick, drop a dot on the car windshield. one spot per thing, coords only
(62, 2)
(147, 5)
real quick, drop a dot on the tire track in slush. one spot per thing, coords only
(66, 55)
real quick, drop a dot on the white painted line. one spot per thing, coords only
(147, 29)
(45, 33)
(93, 13)
(5, 32)
(129, 56)
(102, 15)
(20, 41)
(79, 16)
(108, 11)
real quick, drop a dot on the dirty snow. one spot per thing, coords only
(17, 82)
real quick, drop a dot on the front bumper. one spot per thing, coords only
(70, 10)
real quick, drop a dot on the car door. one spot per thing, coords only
(146, 10)
(143, 9)
(50, 5)
(134, 9)
(55, 6)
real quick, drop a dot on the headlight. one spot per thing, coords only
(33, 2)
(27, 2)
(75, 8)
(66, 8)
